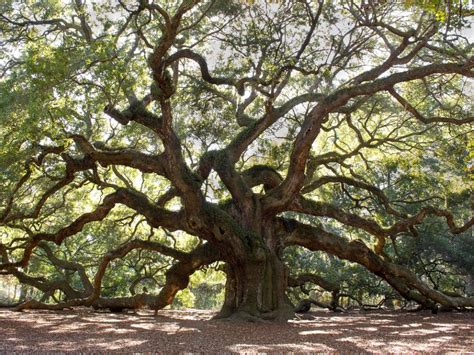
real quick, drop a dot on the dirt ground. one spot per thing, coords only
(192, 331)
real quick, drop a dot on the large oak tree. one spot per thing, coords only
(236, 123)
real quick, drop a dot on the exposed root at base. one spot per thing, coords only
(280, 315)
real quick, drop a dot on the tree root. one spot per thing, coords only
(10, 305)
(279, 315)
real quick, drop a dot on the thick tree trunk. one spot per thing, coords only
(256, 286)
(256, 289)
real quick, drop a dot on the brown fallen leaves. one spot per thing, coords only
(193, 331)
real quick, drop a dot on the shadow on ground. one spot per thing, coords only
(193, 331)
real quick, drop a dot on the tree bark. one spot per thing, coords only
(400, 278)
(256, 285)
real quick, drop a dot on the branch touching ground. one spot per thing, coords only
(399, 277)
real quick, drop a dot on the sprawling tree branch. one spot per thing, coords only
(399, 277)
(311, 127)
(326, 210)
(177, 278)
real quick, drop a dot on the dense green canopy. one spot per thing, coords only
(277, 143)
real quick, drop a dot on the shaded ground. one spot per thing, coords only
(192, 331)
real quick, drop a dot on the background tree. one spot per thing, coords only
(143, 141)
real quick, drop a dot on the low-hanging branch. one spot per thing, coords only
(399, 277)
(177, 278)
(156, 216)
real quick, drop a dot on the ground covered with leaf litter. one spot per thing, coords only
(193, 331)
